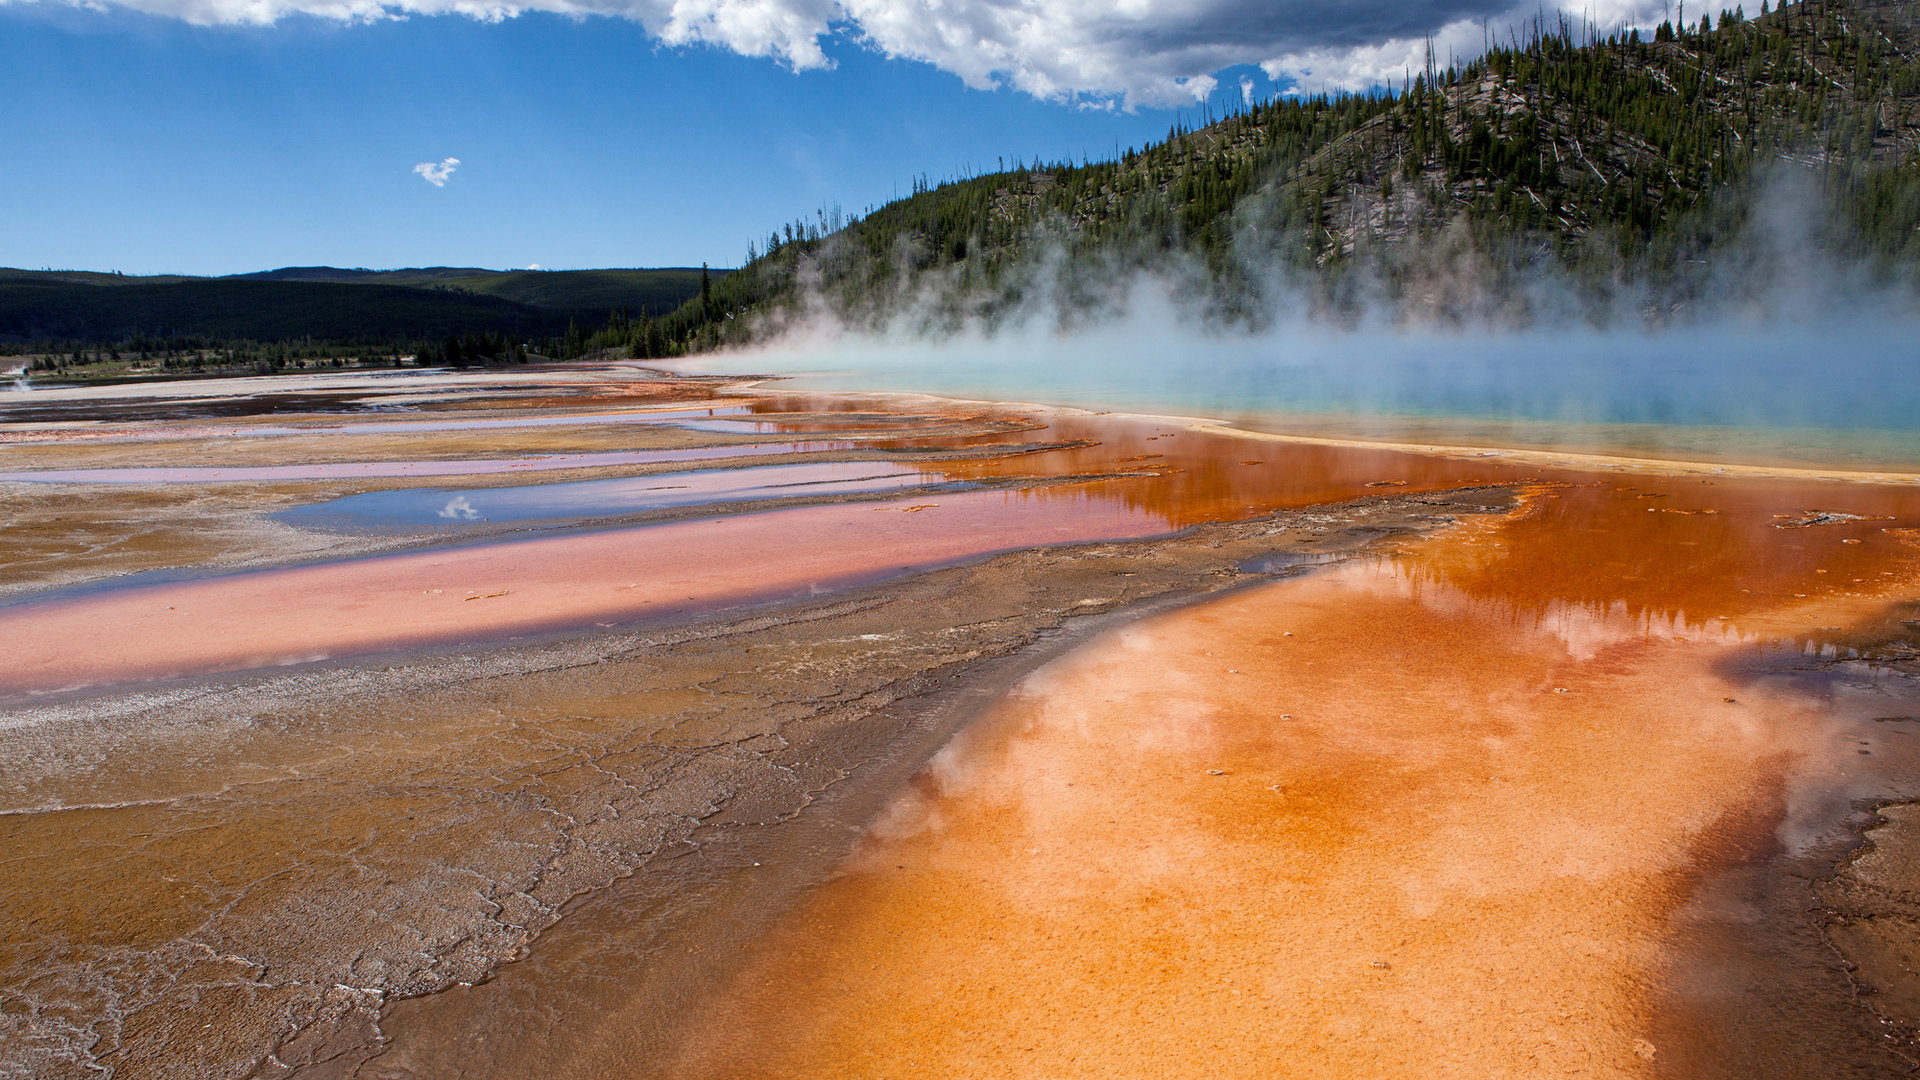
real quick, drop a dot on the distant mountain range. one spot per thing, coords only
(326, 304)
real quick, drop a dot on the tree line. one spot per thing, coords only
(1624, 161)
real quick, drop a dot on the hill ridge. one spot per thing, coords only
(1621, 163)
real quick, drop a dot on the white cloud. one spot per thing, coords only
(535, 266)
(1100, 52)
(437, 175)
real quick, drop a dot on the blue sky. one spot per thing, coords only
(193, 138)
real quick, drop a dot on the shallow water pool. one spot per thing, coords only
(415, 508)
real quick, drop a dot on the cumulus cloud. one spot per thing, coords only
(1116, 53)
(1456, 35)
(437, 174)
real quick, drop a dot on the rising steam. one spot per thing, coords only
(1769, 335)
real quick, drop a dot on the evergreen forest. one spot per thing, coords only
(1653, 170)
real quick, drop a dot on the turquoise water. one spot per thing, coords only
(1847, 393)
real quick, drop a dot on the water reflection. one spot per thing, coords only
(413, 508)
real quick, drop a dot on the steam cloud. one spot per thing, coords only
(1732, 385)
(1787, 349)
(437, 174)
(1146, 52)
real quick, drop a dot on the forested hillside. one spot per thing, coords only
(571, 293)
(1561, 175)
(1623, 165)
(327, 312)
